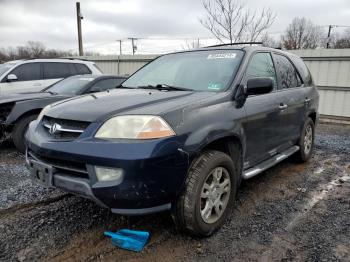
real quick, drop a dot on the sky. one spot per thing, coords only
(161, 25)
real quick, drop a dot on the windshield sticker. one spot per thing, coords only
(214, 86)
(222, 56)
(86, 79)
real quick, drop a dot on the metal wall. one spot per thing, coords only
(120, 65)
(330, 69)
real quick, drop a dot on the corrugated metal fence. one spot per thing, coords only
(120, 65)
(330, 69)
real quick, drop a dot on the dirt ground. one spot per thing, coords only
(292, 212)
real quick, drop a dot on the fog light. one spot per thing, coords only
(108, 173)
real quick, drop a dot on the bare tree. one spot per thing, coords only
(231, 20)
(301, 34)
(189, 45)
(35, 49)
(342, 40)
(269, 41)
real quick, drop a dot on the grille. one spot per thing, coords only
(63, 129)
(77, 169)
(5, 110)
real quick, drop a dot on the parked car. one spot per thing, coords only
(18, 110)
(184, 132)
(36, 74)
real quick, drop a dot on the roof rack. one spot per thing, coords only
(238, 43)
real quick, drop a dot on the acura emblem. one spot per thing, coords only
(55, 128)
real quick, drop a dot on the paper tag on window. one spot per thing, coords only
(222, 56)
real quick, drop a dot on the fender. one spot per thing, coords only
(23, 107)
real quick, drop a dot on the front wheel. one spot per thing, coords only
(19, 131)
(306, 142)
(209, 193)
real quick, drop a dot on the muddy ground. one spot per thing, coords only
(292, 212)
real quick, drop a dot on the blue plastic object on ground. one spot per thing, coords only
(128, 239)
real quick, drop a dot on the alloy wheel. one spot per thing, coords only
(215, 195)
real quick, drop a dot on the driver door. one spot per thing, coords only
(264, 113)
(29, 79)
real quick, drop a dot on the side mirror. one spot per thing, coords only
(259, 85)
(11, 77)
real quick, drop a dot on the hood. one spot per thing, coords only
(99, 106)
(23, 96)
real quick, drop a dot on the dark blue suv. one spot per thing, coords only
(179, 134)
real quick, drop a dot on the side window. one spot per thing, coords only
(302, 69)
(287, 75)
(27, 72)
(82, 69)
(56, 70)
(261, 65)
(105, 84)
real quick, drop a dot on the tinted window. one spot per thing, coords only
(209, 70)
(261, 65)
(27, 72)
(287, 75)
(303, 70)
(105, 84)
(71, 86)
(57, 70)
(82, 69)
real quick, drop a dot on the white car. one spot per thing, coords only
(36, 74)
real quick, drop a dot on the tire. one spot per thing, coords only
(19, 131)
(306, 143)
(188, 209)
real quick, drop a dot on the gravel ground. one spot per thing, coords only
(292, 212)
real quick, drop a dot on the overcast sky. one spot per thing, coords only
(54, 22)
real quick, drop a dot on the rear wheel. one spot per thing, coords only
(306, 142)
(19, 131)
(209, 194)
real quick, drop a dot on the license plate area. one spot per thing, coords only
(41, 173)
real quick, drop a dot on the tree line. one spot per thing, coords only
(34, 49)
(231, 21)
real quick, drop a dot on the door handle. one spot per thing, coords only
(36, 84)
(282, 106)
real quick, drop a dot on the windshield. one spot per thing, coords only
(71, 85)
(5, 67)
(209, 70)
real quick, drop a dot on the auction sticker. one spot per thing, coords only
(222, 56)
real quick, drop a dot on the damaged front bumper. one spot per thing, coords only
(153, 171)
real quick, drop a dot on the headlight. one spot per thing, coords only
(135, 127)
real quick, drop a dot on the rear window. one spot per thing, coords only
(82, 69)
(58, 70)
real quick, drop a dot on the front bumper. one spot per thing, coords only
(154, 170)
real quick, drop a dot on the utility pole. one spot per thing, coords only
(80, 40)
(120, 46)
(134, 47)
(329, 35)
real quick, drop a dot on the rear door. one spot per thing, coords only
(265, 118)
(291, 87)
(29, 79)
(55, 71)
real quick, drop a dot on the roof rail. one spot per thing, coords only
(238, 43)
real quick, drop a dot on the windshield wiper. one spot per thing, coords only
(165, 87)
(127, 87)
(51, 92)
